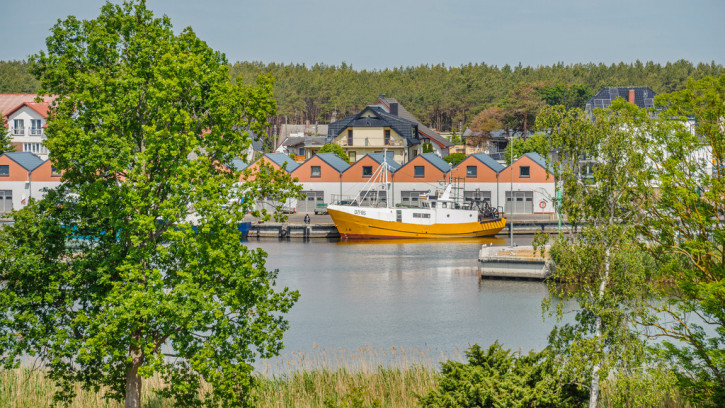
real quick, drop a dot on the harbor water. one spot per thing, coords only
(421, 295)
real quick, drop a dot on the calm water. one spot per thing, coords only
(420, 295)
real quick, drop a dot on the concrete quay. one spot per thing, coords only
(520, 262)
(321, 226)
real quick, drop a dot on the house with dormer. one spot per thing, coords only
(385, 125)
(441, 145)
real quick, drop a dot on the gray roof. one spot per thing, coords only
(643, 97)
(334, 161)
(378, 157)
(280, 159)
(403, 113)
(433, 159)
(311, 141)
(538, 160)
(293, 141)
(489, 161)
(238, 164)
(28, 161)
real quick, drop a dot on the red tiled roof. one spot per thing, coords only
(11, 102)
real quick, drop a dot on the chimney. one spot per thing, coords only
(394, 109)
(630, 96)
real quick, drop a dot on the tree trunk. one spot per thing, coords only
(594, 388)
(133, 380)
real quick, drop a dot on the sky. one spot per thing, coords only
(380, 34)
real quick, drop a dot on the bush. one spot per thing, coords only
(500, 378)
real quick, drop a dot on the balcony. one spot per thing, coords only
(18, 131)
(36, 132)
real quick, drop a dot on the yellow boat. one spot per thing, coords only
(438, 217)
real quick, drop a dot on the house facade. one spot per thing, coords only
(24, 175)
(479, 175)
(25, 121)
(425, 174)
(385, 125)
(321, 179)
(533, 187)
(367, 174)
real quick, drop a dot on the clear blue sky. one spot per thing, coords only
(377, 34)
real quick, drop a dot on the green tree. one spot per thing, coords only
(5, 140)
(455, 158)
(683, 230)
(108, 280)
(538, 143)
(600, 266)
(499, 378)
(487, 121)
(520, 108)
(334, 148)
(427, 147)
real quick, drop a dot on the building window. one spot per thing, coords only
(419, 171)
(352, 156)
(387, 136)
(19, 127)
(367, 171)
(349, 137)
(315, 171)
(471, 171)
(5, 170)
(37, 148)
(524, 171)
(35, 128)
(54, 172)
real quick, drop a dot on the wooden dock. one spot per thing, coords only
(519, 262)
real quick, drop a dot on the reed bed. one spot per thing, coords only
(339, 377)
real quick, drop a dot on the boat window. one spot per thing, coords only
(421, 215)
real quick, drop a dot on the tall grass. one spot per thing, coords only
(364, 377)
(324, 377)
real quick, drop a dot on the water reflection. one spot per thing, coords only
(414, 294)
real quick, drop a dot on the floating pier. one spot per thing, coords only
(518, 262)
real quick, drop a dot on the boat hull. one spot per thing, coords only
(356, 226)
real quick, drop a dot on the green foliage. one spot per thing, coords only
(683, 228)
(538, 143)
(599, 167)
(499, 378)
(455, 158)
(427, 147)
(15, 77)
(107, 280)
(334, 148)
(5, 139)
(571, 96)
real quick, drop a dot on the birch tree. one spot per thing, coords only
(599, 266)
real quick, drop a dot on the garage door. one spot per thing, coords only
(481, 196)
(312, 198)
(523, 202)
(6, 201)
